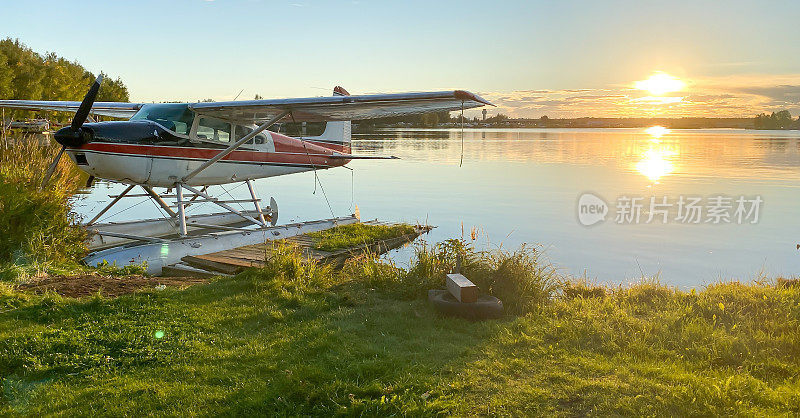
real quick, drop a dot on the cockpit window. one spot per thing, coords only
(212, 129)
(241, 131)
(176, 117)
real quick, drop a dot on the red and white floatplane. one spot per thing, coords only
(185, 148)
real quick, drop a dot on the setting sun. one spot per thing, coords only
(660, 83)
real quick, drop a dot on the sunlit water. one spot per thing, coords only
(522, 186)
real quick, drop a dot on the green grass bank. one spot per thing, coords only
(298, 338)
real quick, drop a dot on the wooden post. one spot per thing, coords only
(461, 288)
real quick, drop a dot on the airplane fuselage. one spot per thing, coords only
(145, 152)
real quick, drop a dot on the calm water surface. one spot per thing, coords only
(522, 186)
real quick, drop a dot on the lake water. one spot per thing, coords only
(523, 186)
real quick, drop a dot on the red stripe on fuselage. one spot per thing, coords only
(345, 149)
(315, 156)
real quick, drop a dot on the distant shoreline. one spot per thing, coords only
(588, 122)
(373, 128)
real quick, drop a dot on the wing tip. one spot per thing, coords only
(465, 95)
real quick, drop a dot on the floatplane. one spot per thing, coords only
(184, 149)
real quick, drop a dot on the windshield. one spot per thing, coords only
(176, 117)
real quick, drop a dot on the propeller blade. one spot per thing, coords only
(86, 104)
(52, 167)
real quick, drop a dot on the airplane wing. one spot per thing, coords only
(113, 109)
(318, 109)
(311, 109)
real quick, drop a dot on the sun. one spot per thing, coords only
(660, 83)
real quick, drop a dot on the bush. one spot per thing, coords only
(38, 226)
(427, 269)
(522, 279)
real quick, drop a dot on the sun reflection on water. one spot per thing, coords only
(657, 131)
(656, 161)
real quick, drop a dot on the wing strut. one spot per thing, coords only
(234, 146)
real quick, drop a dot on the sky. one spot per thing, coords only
(530, 58)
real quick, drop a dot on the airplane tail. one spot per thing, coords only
(337, 134)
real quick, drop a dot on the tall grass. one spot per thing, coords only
(523, 279)
(38, 225)
(285, 266)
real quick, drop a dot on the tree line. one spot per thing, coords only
(28, 75)
(777, 120)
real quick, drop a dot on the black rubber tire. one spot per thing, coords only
(487, 307)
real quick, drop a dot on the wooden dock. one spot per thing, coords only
(232, 261)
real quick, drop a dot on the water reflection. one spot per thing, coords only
(656, 132)
(698, 153)
(656, 161)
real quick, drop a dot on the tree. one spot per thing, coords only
(27, 75)
(783, 119)
(777, 120)
(497, 118)
(429, 120)
(6, 77)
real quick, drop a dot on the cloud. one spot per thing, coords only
(729, 96)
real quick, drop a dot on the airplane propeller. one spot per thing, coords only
(73, 135)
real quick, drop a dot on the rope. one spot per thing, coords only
(314, 167)
(352, 188)
(123, 210)
(197, 204)
(461, 162)
(233, 198)
(160, 210)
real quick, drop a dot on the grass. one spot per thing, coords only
(297, 338)
(347, 236)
